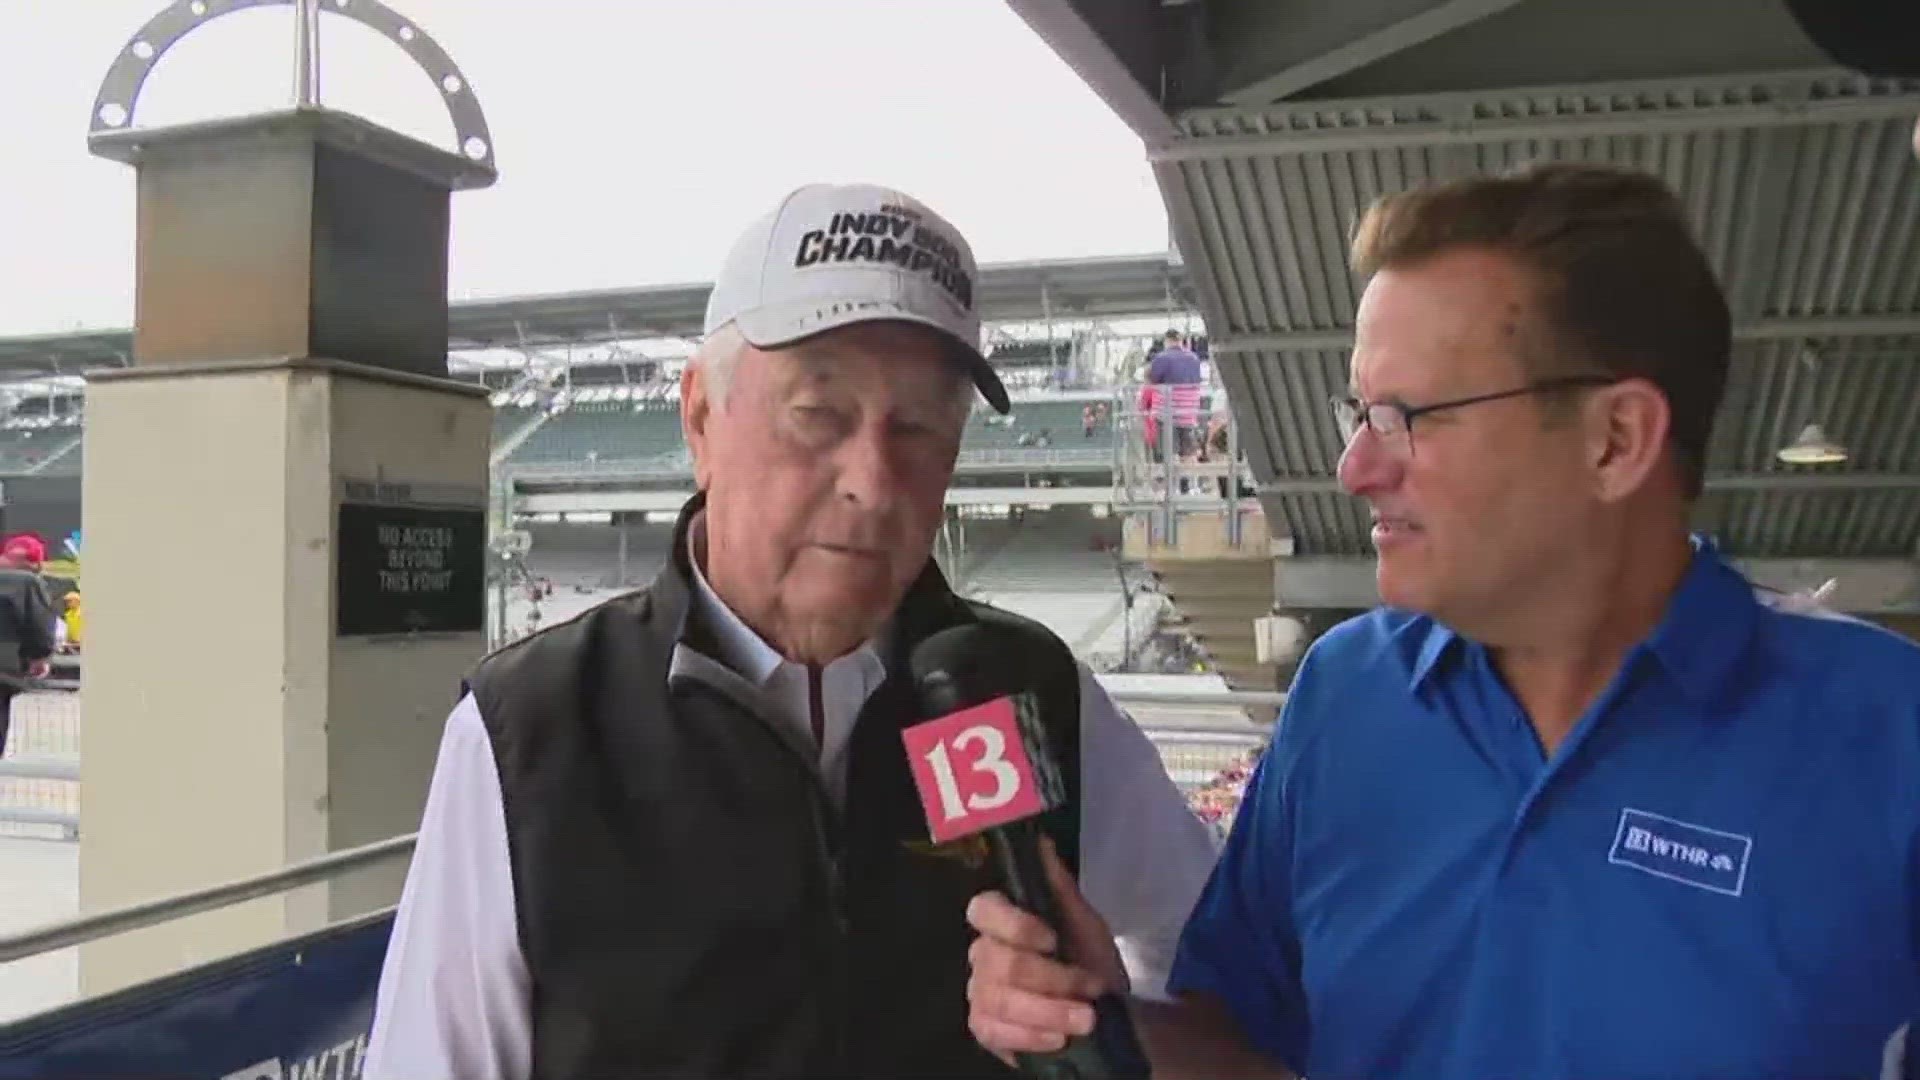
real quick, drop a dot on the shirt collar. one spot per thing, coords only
(741, 648)
(1708, 626)
(1699, 641)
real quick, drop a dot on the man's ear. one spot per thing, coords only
(1627, 426)
(696, 412)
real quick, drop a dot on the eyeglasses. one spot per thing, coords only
(1393, 421)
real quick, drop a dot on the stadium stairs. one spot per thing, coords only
(1217, 587)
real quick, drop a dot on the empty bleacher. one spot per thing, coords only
(604, 431)
(68, 463)
(1061, 549)
(1054, 566)
(1059, 419)
(24, 449)
(508, 419)
(588, 555)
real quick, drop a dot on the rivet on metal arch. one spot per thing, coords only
(113, 106)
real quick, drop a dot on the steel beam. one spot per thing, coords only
(1775, 329)
(1060, 24)
(1862, 586)
(1312, 65)
(1657, 122)
(1797, 481)
(41, 769)
(65, 822)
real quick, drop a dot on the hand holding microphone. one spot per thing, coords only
(983, 764)
(1022, 998)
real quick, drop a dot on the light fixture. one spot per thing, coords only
(1813, 448)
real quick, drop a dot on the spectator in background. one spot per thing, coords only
(26, 623)
(1149, 405)
(1177, 368)
(73, 620)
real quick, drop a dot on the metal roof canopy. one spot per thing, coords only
(1007, 292)
(1272, 125)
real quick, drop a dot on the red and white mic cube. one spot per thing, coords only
(973, 770)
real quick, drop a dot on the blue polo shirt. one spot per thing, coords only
(1714, 876)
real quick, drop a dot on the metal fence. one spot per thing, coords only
(1233, 740)
(40, 772)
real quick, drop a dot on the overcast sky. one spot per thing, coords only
(635, 137)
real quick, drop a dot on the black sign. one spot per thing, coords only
(410, 570)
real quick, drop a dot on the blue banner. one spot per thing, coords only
(296, 1010)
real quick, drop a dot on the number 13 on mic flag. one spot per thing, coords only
(976, 768)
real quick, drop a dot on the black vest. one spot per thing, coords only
(691, 903)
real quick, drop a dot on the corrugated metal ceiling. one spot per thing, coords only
(1805, 193)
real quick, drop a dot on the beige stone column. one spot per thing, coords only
(285, 504)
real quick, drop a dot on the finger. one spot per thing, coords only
(1007, 1039)
(997, 917)
(1036, 1012)
(996, 965)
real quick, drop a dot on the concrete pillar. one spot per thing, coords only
(285, 504)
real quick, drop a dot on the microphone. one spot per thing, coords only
(982, 763)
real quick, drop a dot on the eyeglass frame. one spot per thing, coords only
(1363, 409)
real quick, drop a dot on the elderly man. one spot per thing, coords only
(678, 836)
(1579, 802)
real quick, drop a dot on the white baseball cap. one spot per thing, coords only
(831, 255)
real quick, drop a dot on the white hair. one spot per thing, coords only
(715, 358)
(721, 352)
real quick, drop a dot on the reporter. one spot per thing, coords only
(1577, 802)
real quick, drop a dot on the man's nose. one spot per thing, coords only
(868, 471)
(1368, 464)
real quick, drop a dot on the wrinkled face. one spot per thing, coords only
(826, 470)
(1472, 505)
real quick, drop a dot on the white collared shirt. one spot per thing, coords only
(845, 684)
(453, 1002)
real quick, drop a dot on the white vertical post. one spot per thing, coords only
(306, 48)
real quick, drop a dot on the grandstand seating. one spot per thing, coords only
(1055, 566)
(608, 430)
(508, 419)
(67, 464)
(1060, 419)
(589, 554)
(1064, 549)
(622, 431)
(24, 449)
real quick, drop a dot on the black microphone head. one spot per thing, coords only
(971, 664)
(960, 667)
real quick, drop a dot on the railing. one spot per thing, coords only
(39, 776)
(663, 467)
(140, 915)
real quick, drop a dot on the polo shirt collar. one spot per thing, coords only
(1708, 626)
(1699, 642)
(1440, 641)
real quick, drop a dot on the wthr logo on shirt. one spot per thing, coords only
(1689, 854)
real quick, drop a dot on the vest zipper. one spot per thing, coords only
(829, 851)
(830, 832)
